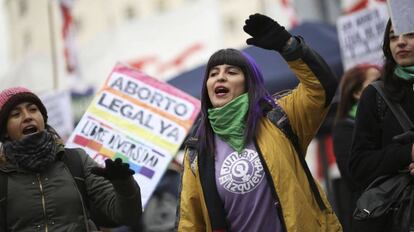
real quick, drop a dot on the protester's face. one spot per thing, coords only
(372, 74)
(402, 48)
(24, 119)
(224, 83)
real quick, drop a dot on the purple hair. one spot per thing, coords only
(254, 84)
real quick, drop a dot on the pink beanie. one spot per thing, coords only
(11, 97)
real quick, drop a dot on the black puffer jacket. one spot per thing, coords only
(50, 201)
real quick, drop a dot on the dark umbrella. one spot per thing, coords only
(322, 37)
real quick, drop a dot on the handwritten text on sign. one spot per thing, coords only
(139, 119)
(360, 36)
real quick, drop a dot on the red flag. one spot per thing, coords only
(361, 4)
(290, 11)
(68, 33)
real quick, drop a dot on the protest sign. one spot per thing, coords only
(139, 119)
(59, 110)
(402, 16)
(360, 36)
(80, 100)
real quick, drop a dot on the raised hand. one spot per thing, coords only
(114, 170)
(266, 33)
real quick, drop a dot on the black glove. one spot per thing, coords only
(404, 138)
(114, 170)
(266, 33)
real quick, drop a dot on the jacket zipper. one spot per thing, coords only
(278, 204)
(84, 210)
(43, 200)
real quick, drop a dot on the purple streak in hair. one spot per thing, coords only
(255, 87)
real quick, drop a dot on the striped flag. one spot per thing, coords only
(68, 34)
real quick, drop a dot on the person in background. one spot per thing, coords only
(41, 192)
(374, 151)
(241, 173)
(353, 82)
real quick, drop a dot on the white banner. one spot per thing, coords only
(360, 36)
(162, 46)
(59, 111)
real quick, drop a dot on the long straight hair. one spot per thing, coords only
(254, 84)
(395, 87)
(351, 82)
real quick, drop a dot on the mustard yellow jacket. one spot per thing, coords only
(306, 107)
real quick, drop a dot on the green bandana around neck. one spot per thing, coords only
(406, 73)
(353, 110)
(228, 121)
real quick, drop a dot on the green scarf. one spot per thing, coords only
(353, 110)
(228, 121)
(406, 73)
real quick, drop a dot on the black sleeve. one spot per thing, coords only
(342, 134)
(317, 65)
(370, 156)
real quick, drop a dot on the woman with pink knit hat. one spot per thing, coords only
(45, 187)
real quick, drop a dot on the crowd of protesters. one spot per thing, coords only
(244, 166)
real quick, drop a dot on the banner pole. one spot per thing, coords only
(55, 77)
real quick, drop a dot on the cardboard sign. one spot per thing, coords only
(402, 16)
(139, 119)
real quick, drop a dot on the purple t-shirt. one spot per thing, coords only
(244, 190)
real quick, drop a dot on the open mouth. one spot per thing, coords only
(221, 90)
(29, 130)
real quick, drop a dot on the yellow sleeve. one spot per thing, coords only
(307, 105)
(189, 213)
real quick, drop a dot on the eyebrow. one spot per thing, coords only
(234, 66)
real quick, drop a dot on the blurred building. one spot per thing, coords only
(3, 41)
(161, 37)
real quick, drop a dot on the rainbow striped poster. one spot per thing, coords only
(139, 119)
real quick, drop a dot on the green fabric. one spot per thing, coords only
(228, 121)
(353, 110)
(406, 73)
